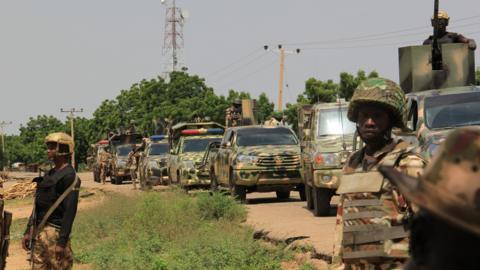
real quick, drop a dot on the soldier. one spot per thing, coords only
(104, 159)
(448, 37)
(47, 236)
(132, 163)
(275, 120)
(445, 232)
(233, 114)
(370, 232)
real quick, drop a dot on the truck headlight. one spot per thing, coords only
(247, 159)
(327, 159)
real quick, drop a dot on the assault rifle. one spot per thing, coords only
(437, 61)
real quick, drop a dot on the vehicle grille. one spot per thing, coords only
(279, 161)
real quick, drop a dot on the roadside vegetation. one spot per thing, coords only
(171, 230)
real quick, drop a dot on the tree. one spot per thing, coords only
(477, 76)
(348, 82)
(265, 108)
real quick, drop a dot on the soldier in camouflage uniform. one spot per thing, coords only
(104, 159)
(445, 233)
(233, 114)
(132, 162)
(370, 230)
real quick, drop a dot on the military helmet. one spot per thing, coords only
(450, 186)
(382, 92)
(442, 15)
(61, 138)
(237, 101)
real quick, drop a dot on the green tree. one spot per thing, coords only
(348, 82)
(265, 107)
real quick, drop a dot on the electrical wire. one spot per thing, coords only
(241, 67)
(254, 72)
(239, 60)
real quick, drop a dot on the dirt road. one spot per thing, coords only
(281, 220)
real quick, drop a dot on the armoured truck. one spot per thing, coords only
(258, 159)
(326, 141)
(439, 100)
(188, 143)
(121, 146)
(152, 168)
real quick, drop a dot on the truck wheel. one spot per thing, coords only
(240, 193)
(321, 201)
(283, 195)
(308, 194)
(113, 181)
(213, 182)
(301, 192)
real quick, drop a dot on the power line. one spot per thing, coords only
(241, 67)
(362, 37)
(254, 72)
(226, 67)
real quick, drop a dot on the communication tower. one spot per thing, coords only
(173, 37)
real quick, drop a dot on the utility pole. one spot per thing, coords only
(71, 115)
(173, 37)
(3, 124)
(281, 51)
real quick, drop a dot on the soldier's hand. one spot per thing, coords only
(59, 252)
(26, 242)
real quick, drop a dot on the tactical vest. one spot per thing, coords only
(373, 215)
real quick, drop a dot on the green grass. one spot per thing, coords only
(171, 230)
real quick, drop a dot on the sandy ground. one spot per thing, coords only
(280, 220)
(292, 221)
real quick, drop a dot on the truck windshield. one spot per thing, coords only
(124, 150)
(158, 149)
(452, 110)
(266, 136)
(332, 121)
(198, 145)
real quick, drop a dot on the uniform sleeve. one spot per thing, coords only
(70, 204)
(412, 165)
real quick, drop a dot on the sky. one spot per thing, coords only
(74, 54)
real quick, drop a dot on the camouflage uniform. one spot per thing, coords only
(449, 37)
(104, 160)
(370, 231)
(132, 163)
(449, 195)
(44, 251)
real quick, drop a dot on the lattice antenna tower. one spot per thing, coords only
(173, 41)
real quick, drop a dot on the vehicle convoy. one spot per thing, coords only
(152, 168)
(188, 143)
(121, 145)
(259, 159)
(326, 140)
(439, 100)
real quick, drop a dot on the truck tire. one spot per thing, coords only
(240, 193)
(321, 201)
(301, 193)
(309, 195)
(113, 181)
(283, 195)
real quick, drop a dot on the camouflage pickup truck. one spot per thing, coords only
(259, 159)
(152, 167)
(442, 100)
(121, 145)
(188, 144)
(326, 140)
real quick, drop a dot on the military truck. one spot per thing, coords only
(188, 143)
(120, 146)
(259, 159)
(327, 137)
(439, 100)
(152, 168)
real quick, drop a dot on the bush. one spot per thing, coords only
(170, 230)
(219, 206)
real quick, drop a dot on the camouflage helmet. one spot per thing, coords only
(61, 138)
(382, 92)
(450, 186)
